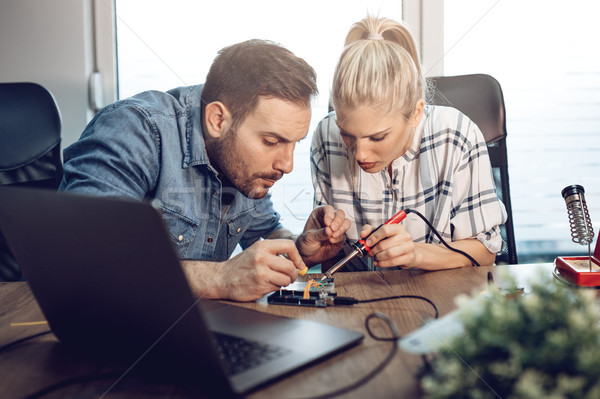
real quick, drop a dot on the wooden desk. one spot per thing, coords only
(40, 362)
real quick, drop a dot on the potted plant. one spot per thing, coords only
(541, 344)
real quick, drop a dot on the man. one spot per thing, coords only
(207, 156)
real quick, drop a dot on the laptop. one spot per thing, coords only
(108, 280)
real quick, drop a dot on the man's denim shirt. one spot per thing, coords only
(151, 147)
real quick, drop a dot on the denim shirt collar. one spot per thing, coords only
(195, 153)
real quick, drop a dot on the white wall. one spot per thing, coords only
(51, 43)
(425, 18)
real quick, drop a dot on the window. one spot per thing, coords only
(545, 56)
(543, 53)
(162, 45)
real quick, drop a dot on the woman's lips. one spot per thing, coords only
(367, 165)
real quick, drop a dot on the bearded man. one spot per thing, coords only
(207, 155)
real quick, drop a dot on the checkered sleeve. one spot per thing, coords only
(477, 211)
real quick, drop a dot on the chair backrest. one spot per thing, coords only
(29, 136)
(479, 96)
(30, 154)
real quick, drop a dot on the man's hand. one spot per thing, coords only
(323, 235)
(264, 267)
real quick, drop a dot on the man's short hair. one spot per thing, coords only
(243, 72)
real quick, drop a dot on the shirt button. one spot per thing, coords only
(180, 238)
(239, 229)
(209, 239)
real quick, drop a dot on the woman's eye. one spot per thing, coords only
(376, 139)
(346, 137)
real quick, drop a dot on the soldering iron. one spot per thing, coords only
(360, 247)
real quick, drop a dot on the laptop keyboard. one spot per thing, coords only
(239, 354)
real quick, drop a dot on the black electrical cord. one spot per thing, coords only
(422, 298)
(62, 384)
(72, 381)
(475, 263)
(367, 377)
(17, 342)
(394, 339)
(349, 301)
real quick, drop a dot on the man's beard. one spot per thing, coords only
(227, 160)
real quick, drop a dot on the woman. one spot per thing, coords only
(384, 150)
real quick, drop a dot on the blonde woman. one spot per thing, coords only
(383, 149)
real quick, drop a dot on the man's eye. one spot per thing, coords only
(270, 143)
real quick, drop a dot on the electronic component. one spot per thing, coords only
(305, 293)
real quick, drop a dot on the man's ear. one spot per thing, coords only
(217, 118)
(418, 114)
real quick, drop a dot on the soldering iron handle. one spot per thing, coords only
(361, 244)
(397, 218)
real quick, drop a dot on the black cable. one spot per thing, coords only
(361, 381)
(429, 301)
(62, 384)
(394, 338)
(395, 334)
(475, 263)
(11, 344)
(72, 381)
(349, 301)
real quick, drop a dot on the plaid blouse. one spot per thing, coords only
(445, 175)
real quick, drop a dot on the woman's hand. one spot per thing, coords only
(391, 245)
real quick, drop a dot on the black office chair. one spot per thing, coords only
(29, 148)
(480, 97)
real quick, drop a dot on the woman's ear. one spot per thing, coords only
(217, 118)
(418, 114)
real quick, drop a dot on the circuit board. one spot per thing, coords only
(316, 293)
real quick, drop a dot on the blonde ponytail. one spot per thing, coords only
(379, 66)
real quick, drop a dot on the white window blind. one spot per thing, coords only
(546, 56)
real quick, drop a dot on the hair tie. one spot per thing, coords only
(375, 36)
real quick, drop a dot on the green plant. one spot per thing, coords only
(544, 344)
